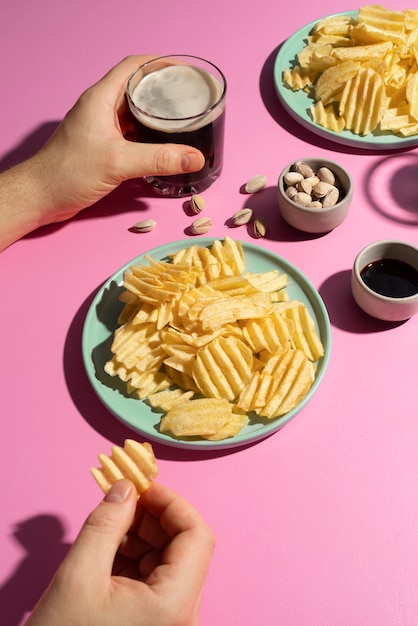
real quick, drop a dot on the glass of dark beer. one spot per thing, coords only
(180, 99)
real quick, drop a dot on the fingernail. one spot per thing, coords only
(118, 492)
(191, 162)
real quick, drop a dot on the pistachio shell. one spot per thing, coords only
(331, 198)
(321, 189)
(256, 183)
(201, 225)
(292, 178)
(145, 226)
(325, 174)
(291, 191)
(302, 198)
(260, 228)
(303, 168)
(242, 217)
(197, 203)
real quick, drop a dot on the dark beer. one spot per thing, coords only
(181, 104)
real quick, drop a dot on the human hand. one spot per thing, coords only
(88, 156)
(153, 574)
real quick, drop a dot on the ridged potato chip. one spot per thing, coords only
(363, 102)
(135, 461)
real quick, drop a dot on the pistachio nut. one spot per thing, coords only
(197, 203)
(145, 226)
(256, 183)
(242, 217)
(201, 225)
(302, 198)
(292, 178)
(331, 198)
(303, 168)
(260, 228)
(325, 174)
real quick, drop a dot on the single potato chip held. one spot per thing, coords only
(135, 461)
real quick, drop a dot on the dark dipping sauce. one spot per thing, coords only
(391, 277)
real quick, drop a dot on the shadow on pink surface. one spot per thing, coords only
(343, 311)
(41, 539)
(28, 146)
(391, 187)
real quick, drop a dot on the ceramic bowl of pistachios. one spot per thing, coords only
(314, 194)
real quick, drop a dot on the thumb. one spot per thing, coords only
(141, 159)
(98, 540)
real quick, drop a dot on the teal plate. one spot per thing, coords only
(101, 321)
(297, 103)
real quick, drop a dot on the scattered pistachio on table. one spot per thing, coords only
(197, 203)
(303, 185)
(241, 217)
(260, 227)
(201, 225)
(145, 226)
(256, 183)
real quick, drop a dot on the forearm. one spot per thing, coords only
(24, 200)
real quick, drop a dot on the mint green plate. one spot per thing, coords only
(101, 321)
(297, 103)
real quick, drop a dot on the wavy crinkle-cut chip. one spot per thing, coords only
(386, 20)
(299, 78)
(409, 130)
(222, 368)
(268, 282)
(269, 333)
(168, 398)
(410, 19)
(135, 461)
(361, 54)
(304, 336)
(232, 428)
(334, 25)
(279, 387)
(363, 102)
(197, 418)
(330, 84)
(397, 118)
(230, 255)
(224, 310)
(365, 34)
(327, 117)
(412, 95)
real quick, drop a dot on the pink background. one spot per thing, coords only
(316, 525)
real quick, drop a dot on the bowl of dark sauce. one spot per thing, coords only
(384, 280)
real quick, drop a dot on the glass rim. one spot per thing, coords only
(177, 119)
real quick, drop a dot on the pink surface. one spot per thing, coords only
(316, 525)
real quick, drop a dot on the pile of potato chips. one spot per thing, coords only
(207, 343)
(362, 73)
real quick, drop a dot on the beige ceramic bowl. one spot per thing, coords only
(390, 279)
(316, 220)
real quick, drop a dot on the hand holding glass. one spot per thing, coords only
(181, 99)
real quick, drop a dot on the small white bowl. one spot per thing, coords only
(384, 297)
(311, 219)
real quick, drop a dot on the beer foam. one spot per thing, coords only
(174, 94)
